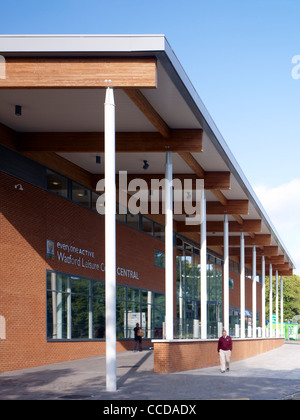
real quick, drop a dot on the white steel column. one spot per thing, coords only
(254, 292)
(169, 247)
(263, 296)
(276, 309)
(110, 240)
(242, 285)
(226, 275)
(281, 305)
(271, 302)
(203, 255)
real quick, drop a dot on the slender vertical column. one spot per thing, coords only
(54, 305)
(203, 254)
(226, 275)
(242, 285)
(254, 292)
(271, 302)
(276, 308)
(169, 247)
(263, 296)
(281, 305)
(149, 313)
(110, 240)
(91, 309)
(180, 298)
(69, 310)
(60, 308)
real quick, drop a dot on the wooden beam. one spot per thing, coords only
(125, 142)
(284, 271)
(267, 251)
(232, 207)
(280, 267)
(270, 251)
(261, 239)
(213, 207)
(238, 218)
(278, 259)
(234, 227)
(73, 72)
(163, 128)
(273, 260)
(147, 109)
(287, 273)
(193, 164)
(211, 179)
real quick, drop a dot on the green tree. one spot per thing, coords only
(291, 296)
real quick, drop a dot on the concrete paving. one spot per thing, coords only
(270, 376)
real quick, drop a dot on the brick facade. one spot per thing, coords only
(183, 355)
(28, 219)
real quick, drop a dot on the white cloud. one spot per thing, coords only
(282, 205)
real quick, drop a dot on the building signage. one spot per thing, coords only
(81, 257)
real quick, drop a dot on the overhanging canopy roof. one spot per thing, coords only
(172, 105)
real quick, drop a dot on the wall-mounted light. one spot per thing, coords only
(146, 164)
(18, 110)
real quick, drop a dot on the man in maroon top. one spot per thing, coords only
(224, 349)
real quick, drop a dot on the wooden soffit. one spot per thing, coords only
(71, 72)
(253, 226)
(126, 142)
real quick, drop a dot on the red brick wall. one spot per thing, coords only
(27, 219)
(182, 356)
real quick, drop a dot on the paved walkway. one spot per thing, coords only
(270, 376)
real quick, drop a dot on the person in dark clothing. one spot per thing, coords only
(137, 337)
(224, 349)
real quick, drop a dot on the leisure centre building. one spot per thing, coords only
(80, 114)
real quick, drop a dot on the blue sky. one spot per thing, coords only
(238, 56)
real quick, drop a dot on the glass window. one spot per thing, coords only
(76, 309)
(98, 318)
(133, 220)
(57, 281)
(159, 231)
(80, 316)
(80, 285)
(133, 294)
(159, 258)
(81, 194)
(57, 184)
(99, 289)
(121, 292)
(95, 197)
(121, 318)
(159, 299)
(147, 225)
(179, 242)
(146, 297)
(57, 315)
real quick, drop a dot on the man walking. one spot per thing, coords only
(224, 349)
